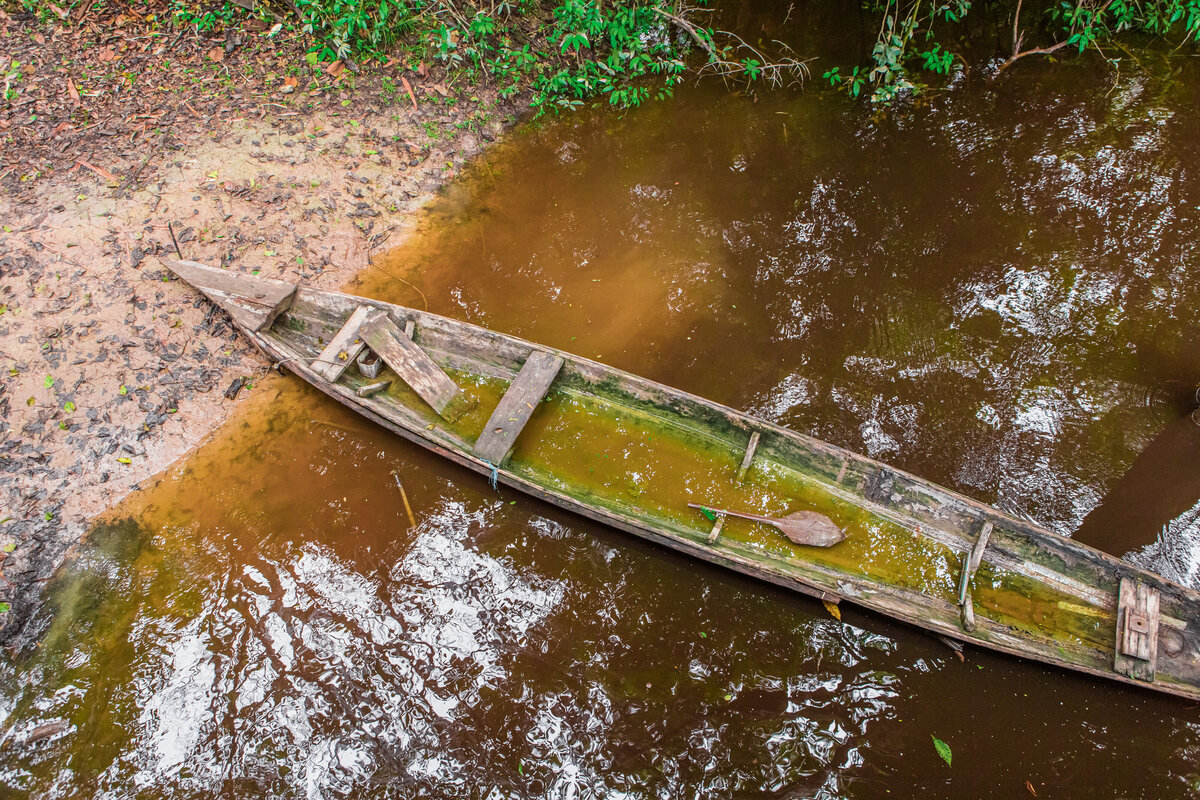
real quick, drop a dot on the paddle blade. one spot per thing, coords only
(810, 528)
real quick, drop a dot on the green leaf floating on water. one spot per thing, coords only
(943, 750)
(711, 516)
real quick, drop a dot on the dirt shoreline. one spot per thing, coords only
(111, 373)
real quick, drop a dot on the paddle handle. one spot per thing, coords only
(755, 517)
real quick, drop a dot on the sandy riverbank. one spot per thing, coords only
(110, 372)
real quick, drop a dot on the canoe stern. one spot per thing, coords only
(252, 302)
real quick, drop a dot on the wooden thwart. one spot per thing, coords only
(749, 457)
(409, 361)
(716, 529)
(251, 301)
(344, 347)
(1137, 630)
(517, 405)
(971, 561)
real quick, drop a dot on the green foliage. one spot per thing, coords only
(206, 17)
(906, 35)
(12, 79)
(566, 52)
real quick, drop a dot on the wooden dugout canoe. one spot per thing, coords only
(632, 453)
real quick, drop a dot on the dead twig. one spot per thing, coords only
(406, 283)
(412, 521)
(174, 241)
(1032, 52)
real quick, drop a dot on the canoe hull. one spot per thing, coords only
(1072, 603)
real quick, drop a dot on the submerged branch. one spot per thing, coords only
(1031, 52)
(773, 71)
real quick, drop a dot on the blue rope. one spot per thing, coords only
(495, 476)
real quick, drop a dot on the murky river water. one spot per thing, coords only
(995, 290)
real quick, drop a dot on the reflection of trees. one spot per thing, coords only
(987, 304)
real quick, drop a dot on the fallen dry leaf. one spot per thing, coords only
(101, 171)
(37, 37)
(440, 89)
(408, 88)
(106, 55)
(61, 14)
(73, 92)
(290, 81)
(833, 610)
(216, 54)
(423, 70)
(1029, 786)
(335, 68)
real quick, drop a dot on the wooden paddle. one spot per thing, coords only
(801, 527)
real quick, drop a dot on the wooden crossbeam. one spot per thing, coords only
(517, 406)
(406, 358)
(344, 347)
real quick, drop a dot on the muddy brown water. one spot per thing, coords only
(995, 290)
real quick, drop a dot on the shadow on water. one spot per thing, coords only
(983, 289)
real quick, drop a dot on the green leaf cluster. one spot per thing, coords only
(906, 45)
(563, 51)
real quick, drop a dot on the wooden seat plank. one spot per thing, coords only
(1137, 630)
(517, 406)
(344, 347)
(406, 358)
(251, 301)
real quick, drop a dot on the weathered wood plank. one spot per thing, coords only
(517, 406)
(1137, 630)
(252, 302)
(344, 347)
(749, 457)
(409, 361)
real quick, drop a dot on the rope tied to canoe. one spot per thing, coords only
(494, 478)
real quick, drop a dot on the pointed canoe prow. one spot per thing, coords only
(252, 302)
